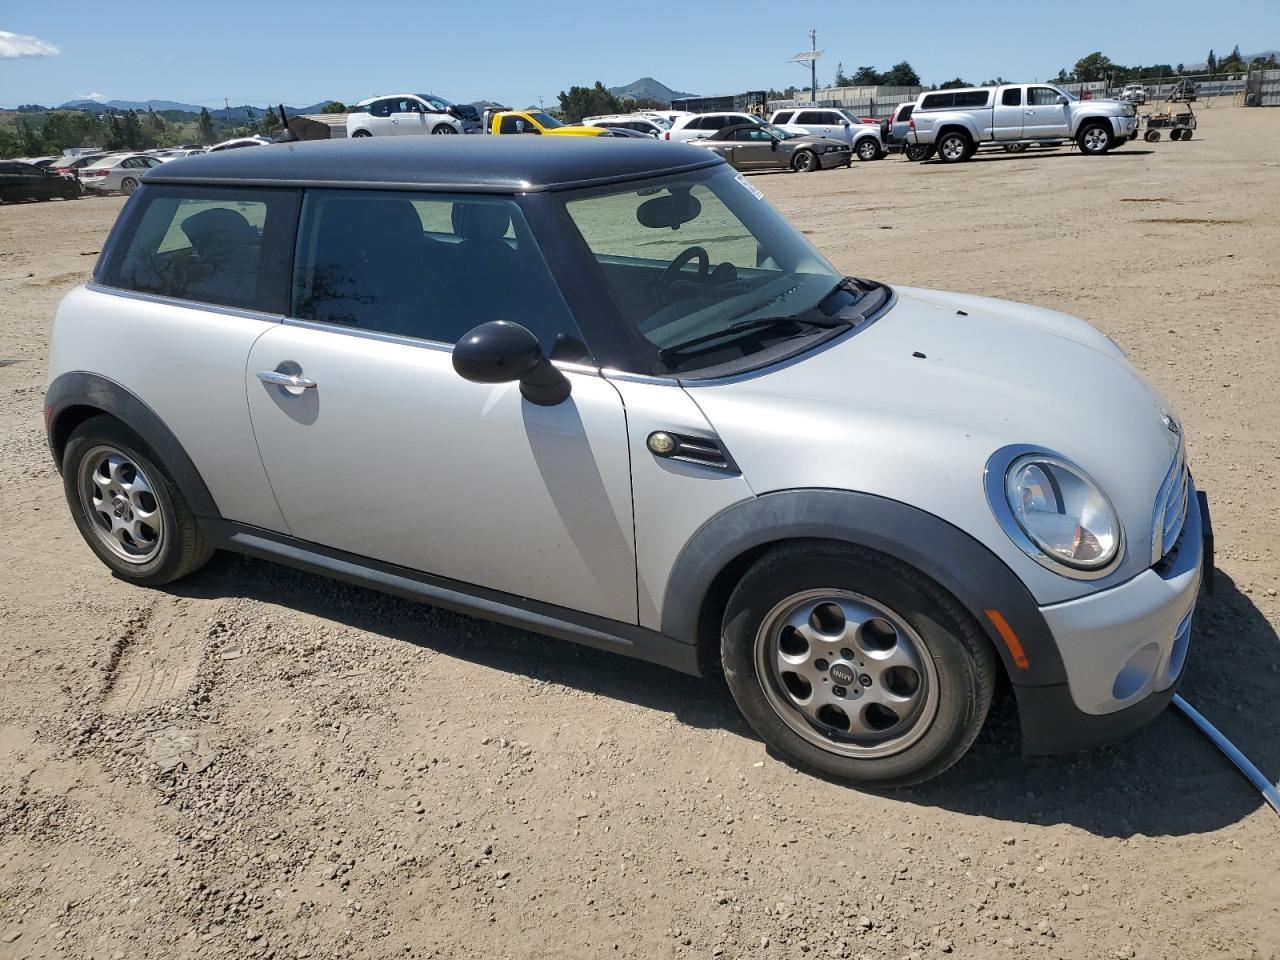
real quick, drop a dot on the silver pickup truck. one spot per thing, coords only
(957, 122)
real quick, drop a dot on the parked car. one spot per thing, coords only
(164, 156)
(26, 181)
(668, 117)
(536, 122)
(73, 165)
(897, 134)
(864, 504)
(1184, 91)
(237, 143)
(410, 114)
(1134, 93)
(118, 172)
(650, 126)
(694, 125)
(865, 139)
(957, 122)
(755, 146)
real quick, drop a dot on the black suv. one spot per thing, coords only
(26, 181)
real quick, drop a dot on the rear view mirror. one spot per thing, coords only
(1062, 98)
(671, 211)
(500, 352)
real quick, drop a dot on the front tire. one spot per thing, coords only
(1152, 136)
(127, 507)
(443, 129)
(805, 161)
(855, 666)
(1095, 139)
(954, 147)
(868, 149)
(361, 133)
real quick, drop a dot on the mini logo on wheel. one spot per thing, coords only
(843, 674)
(1170, 423)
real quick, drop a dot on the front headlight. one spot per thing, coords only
(1062, 511)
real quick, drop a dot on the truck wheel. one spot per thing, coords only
(855, 666)
(805, 161)
(127, 508)
(868, 149)
(917, 152)
(1151, 136)
(361, 133)
(443, 128)
(1095, 139)
(954, 147)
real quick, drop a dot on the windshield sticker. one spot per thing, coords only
(752, 190)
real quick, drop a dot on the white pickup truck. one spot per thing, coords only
(957, 122)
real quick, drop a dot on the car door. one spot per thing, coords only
(386, 453)
(755, 149)
(379, 122)
(1044, 117)
(408, 119)
(1007, 115)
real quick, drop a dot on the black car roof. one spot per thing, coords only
(487, 163)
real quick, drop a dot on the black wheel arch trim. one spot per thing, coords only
(969, 571)
(83, 391)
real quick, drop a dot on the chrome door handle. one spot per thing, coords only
(285, 379)
(1029, 113)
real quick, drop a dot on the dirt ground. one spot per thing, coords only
(257, 762)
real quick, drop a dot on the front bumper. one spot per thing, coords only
(1123, 650)
(836, 158)
(1126, 127)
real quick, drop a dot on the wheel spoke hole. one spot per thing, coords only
(147, 502)
(879, 717)
(901, 681)
(877, 636)
(792, 643)
(799, 688)
(833, 716)
(828, 619)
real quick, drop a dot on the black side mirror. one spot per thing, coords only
(500, 352)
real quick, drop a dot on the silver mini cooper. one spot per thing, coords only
(604, 391)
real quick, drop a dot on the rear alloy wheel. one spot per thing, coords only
(128, 185)
(361, 133)
(443, 129)
(1095, 140)
(953, 148)
(868, 149)
(805, 161)
(854, 665)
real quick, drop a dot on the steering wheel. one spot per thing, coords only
(672, 272)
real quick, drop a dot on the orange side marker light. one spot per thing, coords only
(1009, 637)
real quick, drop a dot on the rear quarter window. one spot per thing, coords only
(973, 98)
(229, 246)
(938, 101)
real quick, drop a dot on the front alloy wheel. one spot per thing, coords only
(805, 161)
(1095, 140)
(442, 129)
(868, 149)
(849, 663)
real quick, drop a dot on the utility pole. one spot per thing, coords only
(810, 57)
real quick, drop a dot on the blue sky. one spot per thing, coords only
(254, 52)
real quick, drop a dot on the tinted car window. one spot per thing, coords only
(1012, 97)
(808, 117)
(226, 246)
(905, 112)
(380, 108)
(938, 101)
(784, 117)
(430, 266)
(1042, 96)
(973, 98)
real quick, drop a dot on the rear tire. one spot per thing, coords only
(1095, 139)
(918, 152)
(955, 147)
(902, 673)
(805, 161)
(128, 185)
(127, 507)
(361, 133)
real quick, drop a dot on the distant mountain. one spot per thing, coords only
(239, 113)
(647, 88)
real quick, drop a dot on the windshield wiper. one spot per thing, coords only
(749, 326)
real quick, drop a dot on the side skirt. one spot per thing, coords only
(533, 615)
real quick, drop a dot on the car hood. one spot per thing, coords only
(912, 406)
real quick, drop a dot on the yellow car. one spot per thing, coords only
(535, 121)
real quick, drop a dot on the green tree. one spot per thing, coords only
(1211, 62)
(954, 84)
(1233, 63)
(269, 123)
(204, 127)
(1180, 66)
(131, 131)
(865, 77)
(154, 127)
(1063, 76)
(1094, 67)
(335, 106)
(841, 80)
(900, 75)
(579, 102)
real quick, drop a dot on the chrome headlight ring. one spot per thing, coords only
(996, 481)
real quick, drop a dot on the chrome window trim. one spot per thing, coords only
(994, 479)
(98, 287)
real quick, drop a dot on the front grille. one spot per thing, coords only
(1171, 506)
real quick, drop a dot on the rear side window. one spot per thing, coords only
(430, 266)
(381, 108)
(227, 246)
(905, 112)
(938, 101)
(784, 117)
(1012, 97)
(973, 98)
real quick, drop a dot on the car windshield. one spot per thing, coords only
(544, 119)
(778, 132)
(705, 269)
(437, 103)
